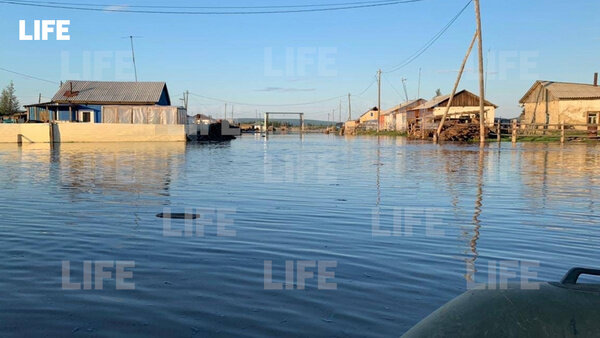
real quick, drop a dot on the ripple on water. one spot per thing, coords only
(404, 234)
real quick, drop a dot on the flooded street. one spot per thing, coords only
(400, 226)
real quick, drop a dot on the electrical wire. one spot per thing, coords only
(368, 87)
(390, 83)
(436, 37)
(124, 8)
(266, 105)
(202, 7)
(27, 76)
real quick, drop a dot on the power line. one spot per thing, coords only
(124, 8)
(218, 99)
(28, 76)
(204, 7)
(390, 83)
(265, 105)
(436, 37)
(284, 105)
(368, 87)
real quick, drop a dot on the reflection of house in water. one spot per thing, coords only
(140, 168)
(556, 174)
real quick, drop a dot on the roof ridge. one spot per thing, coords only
(565, 82)
(67, 81)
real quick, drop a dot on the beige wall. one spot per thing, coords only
(108, 132)
(94, 132)
(389, 122)
(569, 111)
(30, 133)
(367, 117)
(575, 111)
(401, 123)
(540, 112)
(490, 112)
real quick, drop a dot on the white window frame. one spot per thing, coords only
(80, 115)
(587, 120)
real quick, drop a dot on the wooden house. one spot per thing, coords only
(465, 106)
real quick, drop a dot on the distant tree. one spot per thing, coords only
(8, 101)
(438, 92)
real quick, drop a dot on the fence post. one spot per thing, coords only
(562, 132)
(498, 131)
(514, 131)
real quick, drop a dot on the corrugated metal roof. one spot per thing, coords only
(111, 92)
(438, 100)
(398, 107)
(567, 90)
(433, 102)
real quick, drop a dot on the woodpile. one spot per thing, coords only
(461, 131)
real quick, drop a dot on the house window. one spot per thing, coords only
(86, 116)
(592, 118)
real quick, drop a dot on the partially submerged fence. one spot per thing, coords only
(515, 130)
(532, 131)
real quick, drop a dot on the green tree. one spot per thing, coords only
(8, 101)
(438, 92)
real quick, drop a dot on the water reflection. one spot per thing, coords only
(471, 267)
(295, 199)
(137, 168)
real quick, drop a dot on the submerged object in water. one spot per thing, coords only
(564, 309)
(177, 215)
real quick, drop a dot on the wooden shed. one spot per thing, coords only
(465, 105)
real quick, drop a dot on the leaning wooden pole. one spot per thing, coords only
(481, 77)
(460, 72)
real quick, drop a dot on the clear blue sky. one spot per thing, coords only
(245, 59)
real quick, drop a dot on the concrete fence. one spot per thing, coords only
(89, 132)
(24, 133)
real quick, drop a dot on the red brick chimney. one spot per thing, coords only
(596, 79)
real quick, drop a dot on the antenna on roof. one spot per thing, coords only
(133, 53)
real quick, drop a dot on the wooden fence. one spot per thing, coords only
(531, 131)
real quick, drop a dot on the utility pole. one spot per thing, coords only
(405, 91)
(481, 77)
(231, 113)
(451, 99)
(487, 75)
(186, 96)
(419, 87)
(349, 108)
(340, 112)
(333, 117)
(40, 98)
(225, 117)
(133, 57)
(378, 98)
